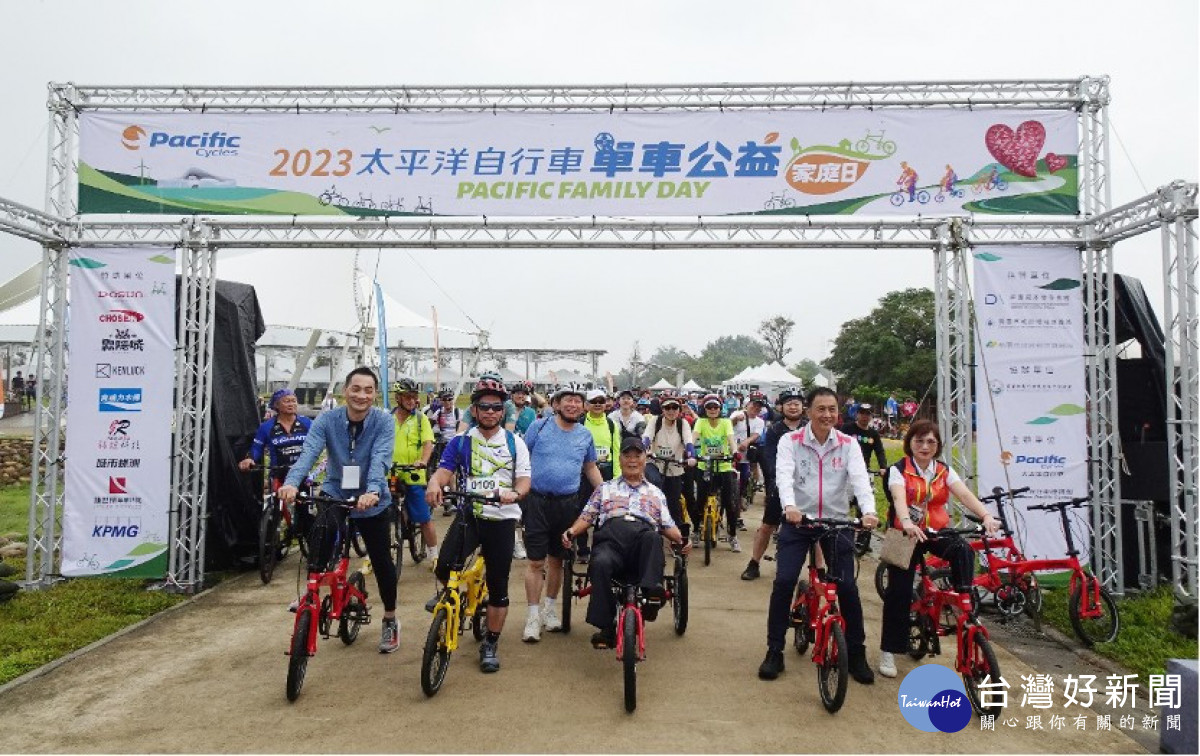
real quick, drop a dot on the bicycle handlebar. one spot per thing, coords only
(1078, 501)
(668, 460)
(327, 500)
(830, 523)
(488, 498)
(999, 493)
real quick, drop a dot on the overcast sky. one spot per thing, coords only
(606, 299)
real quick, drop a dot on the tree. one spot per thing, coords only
(775, 332)
(726, 357)
(894, 345)
(807, 369)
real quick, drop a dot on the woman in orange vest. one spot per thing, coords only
(918, 490)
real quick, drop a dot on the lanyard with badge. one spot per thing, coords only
(352, 473)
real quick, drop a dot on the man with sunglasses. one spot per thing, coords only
(486, 458)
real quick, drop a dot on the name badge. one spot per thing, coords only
(351, 476)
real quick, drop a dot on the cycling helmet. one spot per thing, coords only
(757, 396)
(669, 398)
(787, 393)
(522, 386)
(643, 402)
(446, 395)
(405, 386)
(710, 399)
(567, 389)
(489, 383)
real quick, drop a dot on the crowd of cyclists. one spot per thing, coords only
(554, 468)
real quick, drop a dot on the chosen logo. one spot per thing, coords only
(122, 316)
(120, 400)
(932, 699)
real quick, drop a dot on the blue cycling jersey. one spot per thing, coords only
(284, 446)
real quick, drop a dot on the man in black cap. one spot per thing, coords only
(631, 518)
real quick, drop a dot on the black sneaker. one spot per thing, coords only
(432, 603)
(651, 603)
(859, 669)
(751, 571)
(489, 660)
(772, 665)
(605, 639)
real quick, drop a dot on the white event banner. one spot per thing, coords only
(120, 398)
(1029, 385)
(928, 161)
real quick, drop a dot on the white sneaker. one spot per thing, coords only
(734, 546)
(431, 554)
(533, 627)
(887, 664)
(695, 540)
(550, 621)
(519, 548)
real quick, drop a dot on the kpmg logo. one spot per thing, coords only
(932, 699)
(203, 144)
(120, 400)
(122, 316)
(110, 527)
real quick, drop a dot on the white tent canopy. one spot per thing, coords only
(662, 385)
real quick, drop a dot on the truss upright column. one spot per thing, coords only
(1183, 388)
(953, 316)
(45, 490)
(193, 391)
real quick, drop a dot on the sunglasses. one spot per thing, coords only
(670, 407)
(596, 401)
(490, 406)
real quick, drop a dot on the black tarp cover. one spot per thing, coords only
(233, 497)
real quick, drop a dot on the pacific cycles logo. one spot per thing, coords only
(204, 144)
(932, 699)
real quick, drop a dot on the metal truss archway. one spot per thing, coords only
(1173, 209)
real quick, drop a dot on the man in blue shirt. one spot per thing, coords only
(561, 452)
(359, 439)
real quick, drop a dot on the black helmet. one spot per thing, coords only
(405, 386)
(787, 393)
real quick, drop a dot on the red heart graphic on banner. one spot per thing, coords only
(1055, 162)
(1018, 151)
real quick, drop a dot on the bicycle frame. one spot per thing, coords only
(340, 593)
(821, 602)
(461, 585)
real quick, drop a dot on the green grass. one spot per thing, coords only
(14, 509)
(37, 627)
(1145, 641)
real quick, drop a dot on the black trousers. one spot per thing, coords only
(673, 489)
(898, 599)
(622, 549)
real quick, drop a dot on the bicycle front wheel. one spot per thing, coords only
(268, 543)
(881, 578)
(981, 664)
(568, 592)
(834, 670)
(679, 599)
(298, 662)
(435, 659)
(630, 659)
(1104, 627)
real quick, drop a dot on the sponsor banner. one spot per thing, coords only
(1029, 387)
(118, 469)
(859, 162)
